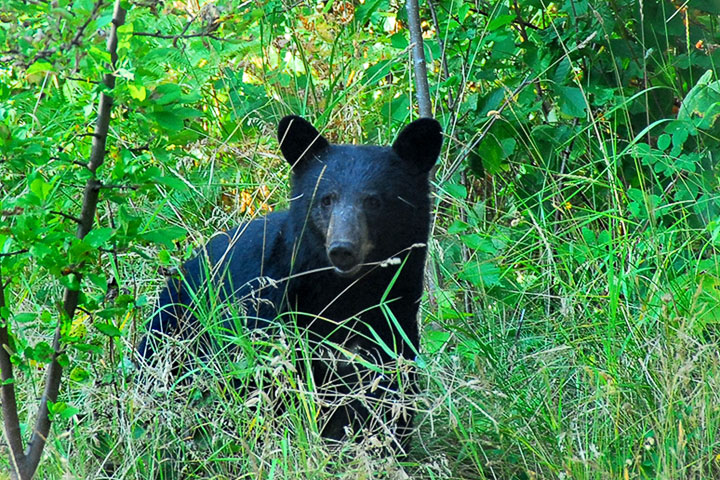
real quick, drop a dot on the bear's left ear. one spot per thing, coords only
(419, 143)
(298, 138)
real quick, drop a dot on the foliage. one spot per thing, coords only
(571, 327)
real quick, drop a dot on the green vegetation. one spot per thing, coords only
(570, 326)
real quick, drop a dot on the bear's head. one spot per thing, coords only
(365, 203)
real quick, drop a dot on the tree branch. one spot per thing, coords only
(11, 422)
(81, 31)
(422, 89)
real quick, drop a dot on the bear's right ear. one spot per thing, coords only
(298, 138)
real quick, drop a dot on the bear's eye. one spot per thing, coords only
(372, 202)
(327, 200)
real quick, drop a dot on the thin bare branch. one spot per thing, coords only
(422, 90)
(65, 215)
(81, 31)
(11, 254)
(443, 58)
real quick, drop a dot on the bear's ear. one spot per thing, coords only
(298, 138)
(419, 143)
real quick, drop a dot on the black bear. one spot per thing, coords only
(345, 262)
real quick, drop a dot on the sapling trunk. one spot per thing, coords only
(422, 90)
(24, 464)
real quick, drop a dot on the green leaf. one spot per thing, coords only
(377, 72)
(167, 93)
(643, 205)
(62, 409)
(436, 339)
(572, 102)
(164, 236)
(40, 188)
(70, 281)
(25, 317)
(702, 102)
(476, 242)
(710, 6)
(88, 348)
(492, 155)
(173, 118)
(365, 10)
(686, 191)
(108, 329)
(137, 92)
(457, 226)
(397, 109)
(41, 66)
(168, 120)
(562, 71)
(98, 236)
(481, 274)
(663, 141)
(79, 374)
(399, 41)
(500, 21)
(456, 191)
(191, 97)
(42, 353)
(170, 181)
(99, 281)
(589, 236)
(164, 257)
(646, 154)
(679, 138)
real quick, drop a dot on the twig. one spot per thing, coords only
(176, 37)
(78, 79)
(518, 20)
(65, 215)
(11, 254)
(523, 34)
(443, 57)
(111, 186)
(78, 36)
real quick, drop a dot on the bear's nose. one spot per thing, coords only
(343, 256)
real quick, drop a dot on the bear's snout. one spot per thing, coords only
(345, 257)
(346, 241)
